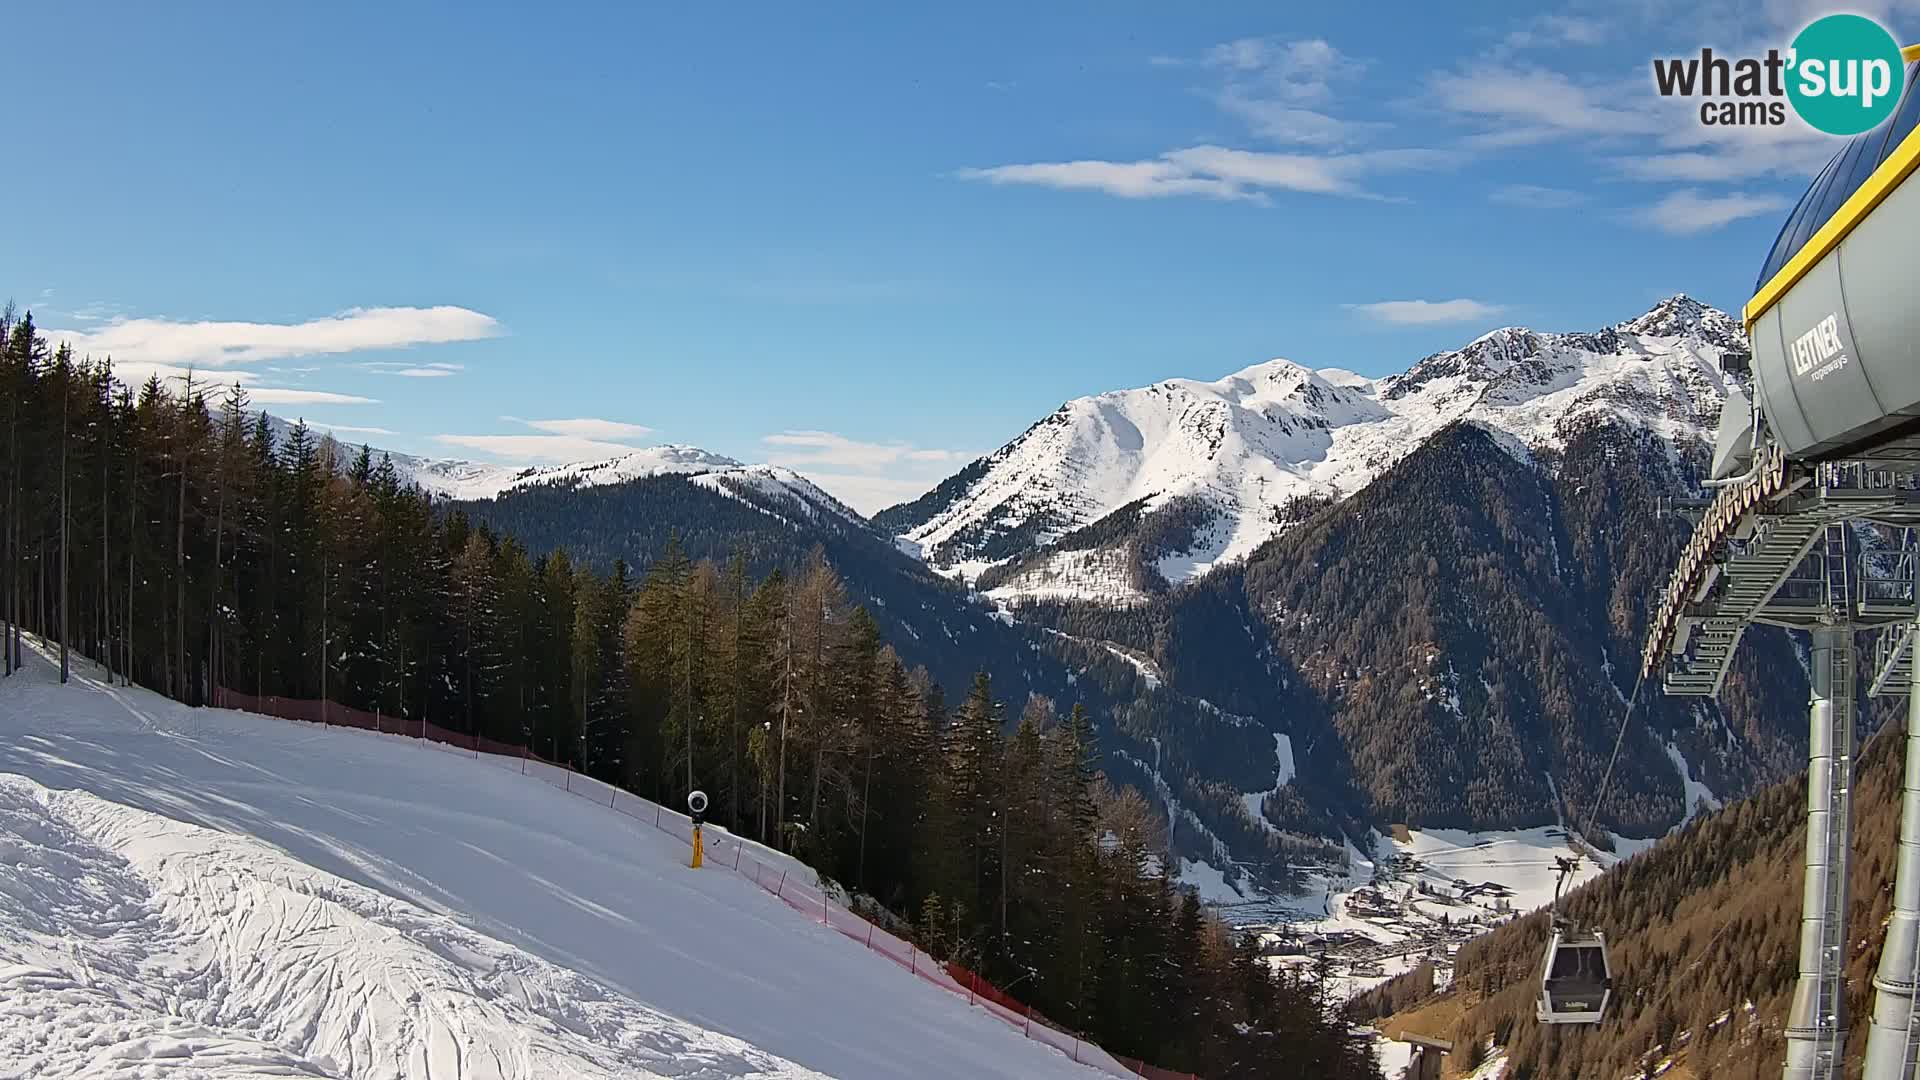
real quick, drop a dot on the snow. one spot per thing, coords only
(131, 938)
(1250, 444)
(1697, 793)
(1519, 859)
(1099, 574)
(1283, 758)
(781, 486)
(668, 460)
(1494, 1069)
(474, 480)
(1146, 670)
(1211, 883)
(1283, 762)
(213, 894)
(1210, 549)
(1393, 1055)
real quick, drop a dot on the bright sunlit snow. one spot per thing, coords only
(203, 893)
(1247, 445)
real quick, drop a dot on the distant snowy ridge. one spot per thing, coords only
(667, 460)
(463, 480)
(1248, 446)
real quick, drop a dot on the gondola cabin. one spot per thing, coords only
(1575, 981)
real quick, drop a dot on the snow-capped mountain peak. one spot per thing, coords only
(769, 487)
(1680, 316)
(1231, 456)
(666, 460)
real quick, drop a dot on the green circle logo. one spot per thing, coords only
(1845, 74)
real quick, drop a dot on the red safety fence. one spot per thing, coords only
(776, 872)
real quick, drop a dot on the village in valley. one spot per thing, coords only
(1428, 892)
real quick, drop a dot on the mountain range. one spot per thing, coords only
(1227, 464)
(1302, 603)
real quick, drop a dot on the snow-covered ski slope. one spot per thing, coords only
(204, 893)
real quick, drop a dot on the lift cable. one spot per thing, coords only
(1606, 778)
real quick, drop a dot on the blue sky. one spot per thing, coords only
(864, 240)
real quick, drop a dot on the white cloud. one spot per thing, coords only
(1687, 211)
(135, 373)
(1548, 31)
(1298, 71)
(799, 448)
(563, 441)
(281, 395)
(1426, 312)
(553, 449)
(1126, 179)
(867, 476)
(350, 429)
(1702, 154)
(220, 344)
(587, 428)
(867, 493)
(1540, 102)
(1220, 172)
(1281, 89)
(1535, 197)
(436, 370)
(1278, 121)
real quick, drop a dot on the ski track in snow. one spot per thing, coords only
(210, 894)
(132, 944)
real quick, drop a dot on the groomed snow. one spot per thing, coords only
(203, 893)
(131, 943)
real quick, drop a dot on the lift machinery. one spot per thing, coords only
(1814, 525)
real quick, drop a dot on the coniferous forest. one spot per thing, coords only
(163, 535)
(1703, 933)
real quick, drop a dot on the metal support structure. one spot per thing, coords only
(1892, 1041)
(1817, 1024)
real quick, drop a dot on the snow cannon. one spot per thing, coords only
(697, 810)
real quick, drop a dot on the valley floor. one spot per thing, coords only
(204, 893)
(1380, 919)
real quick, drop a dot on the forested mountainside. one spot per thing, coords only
(1193, 757)
(1704, 932)
(1456, 641)
(1447, 645)
(185, 547)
